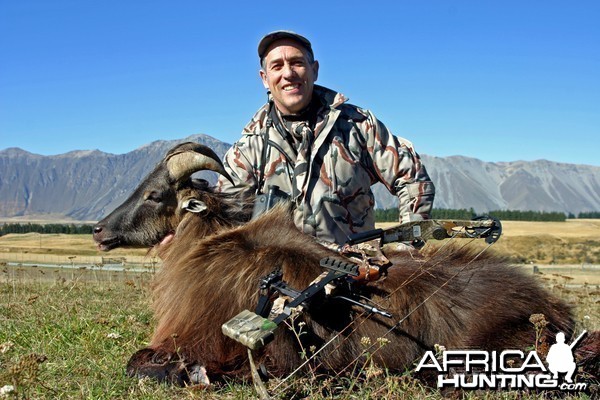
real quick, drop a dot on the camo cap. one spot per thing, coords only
(269, 38)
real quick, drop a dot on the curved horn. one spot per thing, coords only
(185, 159)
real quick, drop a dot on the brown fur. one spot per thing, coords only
(207, 281)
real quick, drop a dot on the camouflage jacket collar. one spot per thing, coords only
(332, 98)
(332, 101)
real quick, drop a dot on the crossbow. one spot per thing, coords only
(363, 260)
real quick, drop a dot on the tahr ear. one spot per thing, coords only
(194, 205)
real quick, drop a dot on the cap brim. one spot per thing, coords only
(272, 37)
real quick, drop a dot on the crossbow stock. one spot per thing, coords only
(363, 261)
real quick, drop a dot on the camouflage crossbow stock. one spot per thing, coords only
(365, 262)
(484, 227)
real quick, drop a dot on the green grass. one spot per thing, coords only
(72, 340)
(71, 326)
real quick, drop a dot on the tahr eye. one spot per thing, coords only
(154, 196)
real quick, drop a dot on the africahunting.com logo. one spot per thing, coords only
(508, 369)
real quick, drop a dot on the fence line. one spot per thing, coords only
(25, 257)
(17, 275)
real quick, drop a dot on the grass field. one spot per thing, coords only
(68, 333)
(71, 340)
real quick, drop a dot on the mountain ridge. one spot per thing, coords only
(84, 185)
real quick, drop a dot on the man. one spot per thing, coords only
(321, 151)
(560, 358)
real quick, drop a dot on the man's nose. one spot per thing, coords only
(288, 71)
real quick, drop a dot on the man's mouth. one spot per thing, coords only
(291, 87)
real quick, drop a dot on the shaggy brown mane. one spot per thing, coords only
(210, 280)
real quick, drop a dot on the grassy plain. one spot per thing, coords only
(58, 248)
(573, 242)
(67, 334)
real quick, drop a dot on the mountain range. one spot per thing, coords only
(86, 185)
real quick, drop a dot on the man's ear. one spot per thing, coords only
(263, 76)
(315, 67)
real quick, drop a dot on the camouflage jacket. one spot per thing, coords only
(349, 151)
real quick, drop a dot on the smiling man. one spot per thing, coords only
(288, 72)
(322, 153)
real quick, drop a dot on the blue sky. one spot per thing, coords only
(495, 80)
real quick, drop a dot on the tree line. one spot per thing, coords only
(392, 215)
(381, 215)
(589, 215)
(71, 229)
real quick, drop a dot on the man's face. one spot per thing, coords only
(289, 75)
